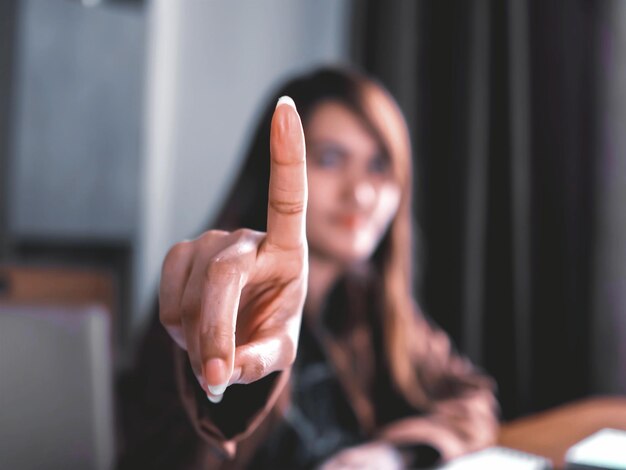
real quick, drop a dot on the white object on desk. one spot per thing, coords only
(497, 458)
(603, 449)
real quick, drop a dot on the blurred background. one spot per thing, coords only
(122, 123)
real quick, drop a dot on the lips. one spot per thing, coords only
(351, 221)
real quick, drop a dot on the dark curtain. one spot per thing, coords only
(502, 100)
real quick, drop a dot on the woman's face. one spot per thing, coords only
(353, 194)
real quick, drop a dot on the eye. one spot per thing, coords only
(328, 156)
(379, 164)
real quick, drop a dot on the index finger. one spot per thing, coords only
(288, 186)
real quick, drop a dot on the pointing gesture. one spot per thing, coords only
(234, 300)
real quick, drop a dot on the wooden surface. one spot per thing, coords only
(35, 285)
(552, 432)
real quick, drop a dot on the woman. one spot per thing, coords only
(245, 379)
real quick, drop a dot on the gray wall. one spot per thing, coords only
(211, 64)
(76, 121)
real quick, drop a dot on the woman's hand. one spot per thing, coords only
(373, 455)
(233, 300)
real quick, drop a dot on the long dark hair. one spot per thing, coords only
(246, 205)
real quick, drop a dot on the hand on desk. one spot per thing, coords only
(233, 300)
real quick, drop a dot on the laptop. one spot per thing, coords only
(56, 388)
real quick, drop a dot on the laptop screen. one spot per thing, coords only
(56, 388)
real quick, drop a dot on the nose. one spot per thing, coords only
(361, 192)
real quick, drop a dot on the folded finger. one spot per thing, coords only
(218, 325)
(257, 359)
(174, 277)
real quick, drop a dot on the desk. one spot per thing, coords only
(41, 285)
(552, 432)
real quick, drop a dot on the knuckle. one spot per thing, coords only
(260, 367)
(219, 339)
(217, 334)
(245, 240)
(222, 265)
(176, 253)
(243, 234)
(210, 236)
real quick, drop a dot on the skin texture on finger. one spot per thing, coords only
(220, 304)
(288, 181)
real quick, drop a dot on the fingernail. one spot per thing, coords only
(215, 399)
(215, 370)
(218, 389)
(286, 100)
